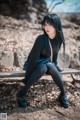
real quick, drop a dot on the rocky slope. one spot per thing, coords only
(17, 38)
(19, 27)
(32, 10)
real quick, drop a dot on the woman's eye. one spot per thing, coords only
(47, 25)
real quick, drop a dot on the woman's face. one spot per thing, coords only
(50, 30)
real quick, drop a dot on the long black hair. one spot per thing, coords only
(55, 21)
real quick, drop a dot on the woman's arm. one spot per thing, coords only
(34, 55)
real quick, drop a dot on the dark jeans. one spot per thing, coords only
(40, 70)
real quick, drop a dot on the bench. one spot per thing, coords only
(21, 74)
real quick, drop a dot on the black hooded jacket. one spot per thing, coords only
(41, 49)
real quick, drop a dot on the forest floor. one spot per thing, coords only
(42, 101)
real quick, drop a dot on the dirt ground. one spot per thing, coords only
(42, 101)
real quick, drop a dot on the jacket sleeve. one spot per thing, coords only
(34, 55)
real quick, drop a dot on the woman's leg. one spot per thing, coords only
(52, 70)
(40, 70)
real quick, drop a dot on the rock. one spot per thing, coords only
(26, 9)
(75, 61)
(64, 61)
(4, 7)
(33, 17)
(19, 58)
(74, 18)
(6, 58)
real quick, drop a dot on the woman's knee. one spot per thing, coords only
(42, 68)
(52, 68)
(51, 65)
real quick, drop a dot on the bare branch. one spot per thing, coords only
(55, 4)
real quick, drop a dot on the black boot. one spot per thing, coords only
(63, 100)
(22, 102)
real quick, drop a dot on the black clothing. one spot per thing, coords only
(41, 52)
(40, 70)
(39, 63)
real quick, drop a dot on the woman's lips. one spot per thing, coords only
(47, 31)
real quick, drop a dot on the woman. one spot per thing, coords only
(43, 59)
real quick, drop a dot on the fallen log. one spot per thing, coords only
(21, 74)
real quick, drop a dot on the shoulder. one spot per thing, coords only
(40, 38)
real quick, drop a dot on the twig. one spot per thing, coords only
(61, 113)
